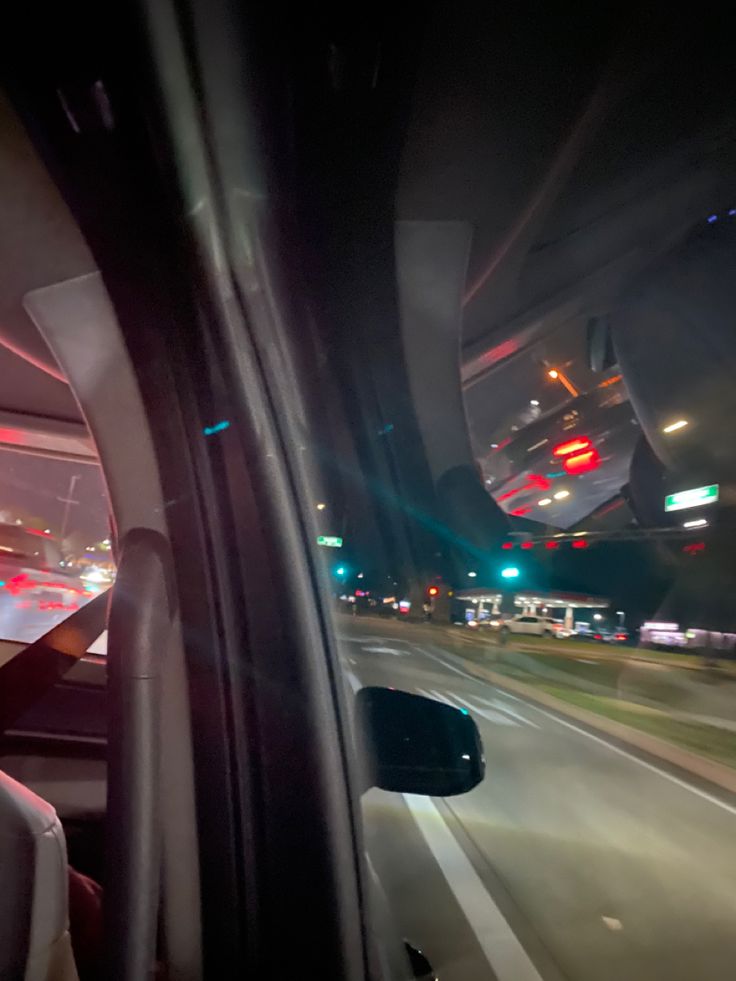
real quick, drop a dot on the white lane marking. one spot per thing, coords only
(450, 667)
(629, 756)
(584, 660)
(384, 650)
(508, 959)
(502, 707)
(435, 696)
(597, 739)
(353, 681)
(441, 697)
(498, 718)
(366, 640)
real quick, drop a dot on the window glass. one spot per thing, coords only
(55, 547)
(536, 362)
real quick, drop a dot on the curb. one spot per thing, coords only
(716, 773)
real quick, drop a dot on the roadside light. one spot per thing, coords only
(321, 506)
(433, 591)
(472, 574)
(560, 495)
(597, 616)
(694, 547)
(674, 426)
(562, 378)
(510, 572)
(544, 502)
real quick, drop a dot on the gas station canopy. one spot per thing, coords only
(539, 597)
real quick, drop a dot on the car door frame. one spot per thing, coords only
(277, 828)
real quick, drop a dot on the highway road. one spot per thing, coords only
(574, 859)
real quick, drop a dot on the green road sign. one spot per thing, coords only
(693, 498)
(331, 541)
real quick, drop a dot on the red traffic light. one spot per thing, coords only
(507, 546)
(580, 544)
(433, 591)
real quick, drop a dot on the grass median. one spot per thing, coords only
(709, 741)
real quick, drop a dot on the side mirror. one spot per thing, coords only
(416, 745)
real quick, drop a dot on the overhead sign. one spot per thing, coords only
(330, 541)
(694, 498)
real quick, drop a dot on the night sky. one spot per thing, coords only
(33, 485)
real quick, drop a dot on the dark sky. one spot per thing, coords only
(33, 486)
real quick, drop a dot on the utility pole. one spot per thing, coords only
(67, 501)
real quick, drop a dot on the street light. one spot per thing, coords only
(674, 426)
(321, 506)
(556, 375)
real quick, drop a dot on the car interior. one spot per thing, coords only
(285, 306)
(76, 714)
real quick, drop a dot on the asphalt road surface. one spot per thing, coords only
(575, 858)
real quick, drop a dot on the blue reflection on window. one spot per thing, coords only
(217, 428)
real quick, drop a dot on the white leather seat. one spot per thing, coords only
(34, 889)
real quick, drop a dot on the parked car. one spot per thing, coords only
(537, 626)
(618, 636)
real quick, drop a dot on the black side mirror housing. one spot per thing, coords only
(416, 745)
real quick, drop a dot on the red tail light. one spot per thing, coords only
(582, 462)
(572, 446)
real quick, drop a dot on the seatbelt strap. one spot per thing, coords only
(38, 667)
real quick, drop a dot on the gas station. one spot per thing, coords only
(532, 602)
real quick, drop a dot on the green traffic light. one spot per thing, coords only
(510, 572)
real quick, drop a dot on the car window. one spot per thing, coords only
(55, 546)
(540, 433)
